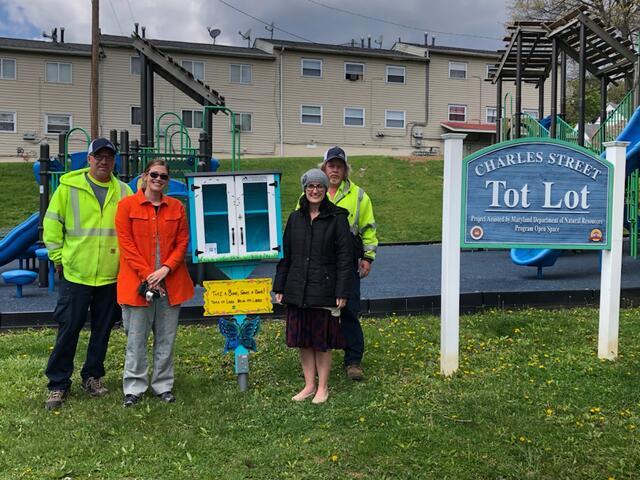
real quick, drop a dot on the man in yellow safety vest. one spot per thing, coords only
(346, 194)
(79, 232)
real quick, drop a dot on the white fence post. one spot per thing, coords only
(612, 259)
(450, 279)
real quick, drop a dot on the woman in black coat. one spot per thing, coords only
(313, 280)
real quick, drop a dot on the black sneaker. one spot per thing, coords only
(130, 400)
(167, 397)
(55, 399)
(94, 387)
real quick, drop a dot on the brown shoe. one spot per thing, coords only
(94, 387)
(55, 399)
(355, 373)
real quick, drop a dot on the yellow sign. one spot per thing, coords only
(236, 297)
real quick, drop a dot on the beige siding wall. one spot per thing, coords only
(31, 97)
(473, 92)
(121, 91)
(333, 93)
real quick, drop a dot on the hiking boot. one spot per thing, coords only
(355, 373)
(55, 399)
(167, 397)
(130, 400)
(94, 387)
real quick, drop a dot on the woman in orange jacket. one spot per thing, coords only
(152, 282)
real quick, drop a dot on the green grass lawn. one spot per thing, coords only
(531, 400)
(407, 197)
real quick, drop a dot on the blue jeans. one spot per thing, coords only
(74, 301)
(351, 328)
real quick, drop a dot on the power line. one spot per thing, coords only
(402, 25)
(116, 17)
(133, 20)
(265, 23)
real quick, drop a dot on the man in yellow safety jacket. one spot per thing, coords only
(346, 194)
(79, 232)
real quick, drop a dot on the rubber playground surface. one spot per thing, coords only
(405, 279)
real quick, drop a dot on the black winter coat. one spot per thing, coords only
(317, 266)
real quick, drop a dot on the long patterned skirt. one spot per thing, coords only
(313, 328)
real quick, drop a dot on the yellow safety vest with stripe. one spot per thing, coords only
(361, 220)
(79, 234)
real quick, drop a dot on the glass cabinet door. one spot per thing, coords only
(256, 211)
(215, 210)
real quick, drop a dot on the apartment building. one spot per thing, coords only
(291, 98)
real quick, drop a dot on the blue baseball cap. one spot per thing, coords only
(99, 144)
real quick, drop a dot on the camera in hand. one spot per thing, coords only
(147, 292)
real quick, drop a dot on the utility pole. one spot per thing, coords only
(95, 52)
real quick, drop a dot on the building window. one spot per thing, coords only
(458, 70)
(457, 113)
(354, 117)
(58, 72)
(195, 68)
(490, 115)
(7, 122)
(7, 69)
(136, 115)
(57, 123)
(491, 70)
(192, 118)
(532, 112)
(395, 74)
(243, 121)
(240, 73)
(311, 114)
(354, 71)
(311, 67)
(394, 119)
(135, 66)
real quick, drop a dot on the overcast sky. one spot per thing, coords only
(467, 23)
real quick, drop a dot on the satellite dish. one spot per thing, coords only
(246, 35)
(379, 40)
(213, 33)
(269, 28)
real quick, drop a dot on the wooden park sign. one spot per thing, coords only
(531, 193)
(537, 193)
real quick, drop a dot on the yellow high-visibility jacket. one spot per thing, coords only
(79, 234)
(361, 220)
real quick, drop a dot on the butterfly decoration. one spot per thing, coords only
(239, 334)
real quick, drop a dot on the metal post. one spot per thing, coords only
(95, 71)
(554, 87)
(499, 110)
(149, 105)
(135, 158)
(62, 154)
(113, 136)
(582, 82)
(124, 156)
(603, 99)
(203, 165)
(563, 85)
(144, 132)
(541, 99)
(518, 86)
(43, 266)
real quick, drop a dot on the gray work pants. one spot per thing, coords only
(162, 319)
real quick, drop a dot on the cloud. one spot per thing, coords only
(187, 20)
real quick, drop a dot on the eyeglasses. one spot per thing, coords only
(163, 176)
(310, 188)
(104, 158)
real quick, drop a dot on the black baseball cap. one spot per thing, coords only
(99, 144)
(335, 153)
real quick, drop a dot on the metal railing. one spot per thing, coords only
(613, 124)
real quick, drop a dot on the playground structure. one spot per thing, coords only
(253, 207)
(536, 51)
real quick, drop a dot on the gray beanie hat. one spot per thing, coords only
(315, 175)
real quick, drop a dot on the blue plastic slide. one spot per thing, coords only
(19, 240)
(544, 257)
